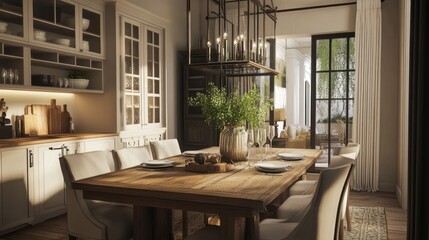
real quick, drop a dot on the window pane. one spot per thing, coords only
(156, 54)
(339, 54)
(128, 67)
(136, 84)
(136, 66)
(149, 52)
(321, 113)
(157, 102)
(322, 85)
(136, 32)
(156, 70)
(156, 86)
(352, 54)
(128, 29)
(352, 83)
(322, 55)
(339, 85)
(128, 83)
(150, 68)
(157, 120)
(150, 85)
(127, 46)
(135, 48)
(129, 110)
(136, 109)
(156, 36)
(149, 37)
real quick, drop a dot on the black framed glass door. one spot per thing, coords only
(333, 84)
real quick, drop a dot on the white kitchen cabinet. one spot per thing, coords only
(68, 25)
(99, 144)
(50, 195)
(13, 19)
(140, 52)
(16, 189)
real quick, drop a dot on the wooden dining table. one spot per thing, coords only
(237, 196)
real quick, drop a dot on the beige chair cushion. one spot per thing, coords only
(165, 148)
(132, 156)
(271, 229)
(303, 187)
(294, 208)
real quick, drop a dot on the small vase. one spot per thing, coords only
(233, 143)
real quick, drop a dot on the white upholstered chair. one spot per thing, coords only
(319, 222)
(165, 148)
(301, 191)
(132, 156)
(89, 219)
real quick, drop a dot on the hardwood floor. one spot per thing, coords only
(56, 228)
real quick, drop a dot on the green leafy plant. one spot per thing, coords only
(77, 74)
(221, 108)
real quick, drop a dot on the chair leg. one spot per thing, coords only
(341, 233)
(184, 223)
(349, 220)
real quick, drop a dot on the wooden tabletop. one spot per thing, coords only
(242, 192)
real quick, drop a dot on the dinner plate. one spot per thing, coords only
(157, 166)
(158, 163)
(290, 156)
(272, 166)
(191, 153)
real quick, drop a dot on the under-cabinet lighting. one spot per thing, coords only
(34, 93)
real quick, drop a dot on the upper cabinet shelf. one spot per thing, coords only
(12, 19)
(67, 25)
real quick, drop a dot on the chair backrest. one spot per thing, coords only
(165, 148)
(132, 156)
(322, 218)
(80, 221)
(351, 150)
(89, 164)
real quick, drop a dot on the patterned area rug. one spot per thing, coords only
(368, 223)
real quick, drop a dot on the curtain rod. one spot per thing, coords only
(317, 7)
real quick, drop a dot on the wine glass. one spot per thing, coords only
(250, 142)
(16, 78)
(11, 75)
(270, 134)
(4, 75)
(262, 139)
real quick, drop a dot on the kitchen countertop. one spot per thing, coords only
(51, 138)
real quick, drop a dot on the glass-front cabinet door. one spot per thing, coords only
(12, 19)
(141, 75)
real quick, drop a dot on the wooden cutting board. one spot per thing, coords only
(30, 125)
(54, 117)
(42, 114)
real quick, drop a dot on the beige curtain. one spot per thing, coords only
(366, 120)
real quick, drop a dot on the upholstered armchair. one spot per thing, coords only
(90, 219)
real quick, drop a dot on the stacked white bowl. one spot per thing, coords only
(3, 27)
(39, 35)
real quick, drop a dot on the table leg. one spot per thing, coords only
(152, 223)
(252, 227)
(232, 227)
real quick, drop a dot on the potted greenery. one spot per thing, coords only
(78, 79)
(232, 111)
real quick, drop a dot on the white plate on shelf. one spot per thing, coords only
(272, 166)
(290, 156)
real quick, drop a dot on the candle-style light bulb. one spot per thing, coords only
(234, 50)
(218, 47)
(225, 46)
(209, 46)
